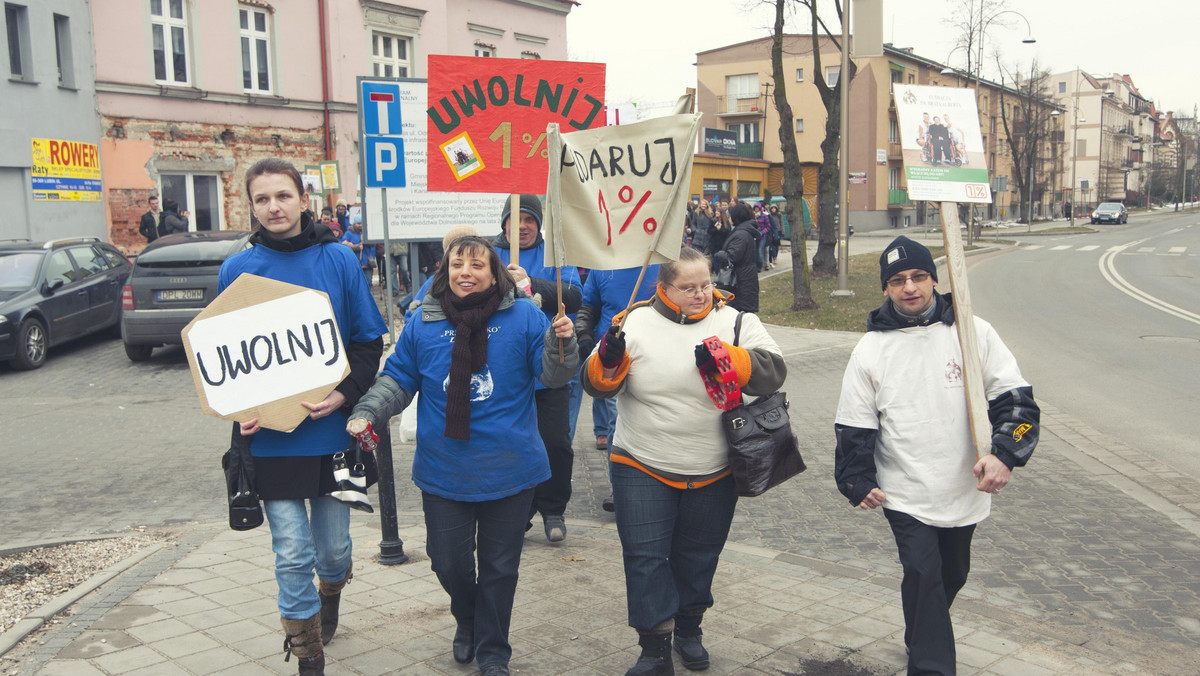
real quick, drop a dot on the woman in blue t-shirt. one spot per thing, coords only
(294, 470)
(475, 352)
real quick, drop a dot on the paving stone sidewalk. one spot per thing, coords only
(211, 610)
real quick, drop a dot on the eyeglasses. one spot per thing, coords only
(694, 290)
(917, 278)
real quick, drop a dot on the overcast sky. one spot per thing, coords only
(650, 45)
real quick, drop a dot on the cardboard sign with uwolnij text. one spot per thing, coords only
(262, 347)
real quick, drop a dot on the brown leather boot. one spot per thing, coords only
(331, 600)
(303, 639)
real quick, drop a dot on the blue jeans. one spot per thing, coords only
(497, 528)
(576, 393)
(762, 251)
(671, 540)
(303, 545)
(604, 417)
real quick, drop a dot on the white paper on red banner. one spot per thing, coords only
(615, 193)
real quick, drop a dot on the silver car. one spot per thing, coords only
(173, 279)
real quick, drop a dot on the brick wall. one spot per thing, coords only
(225, 150)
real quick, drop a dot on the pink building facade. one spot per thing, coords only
(192, 92)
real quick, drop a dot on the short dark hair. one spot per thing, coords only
(471, 244)
(152, 198)
(668, 272)
(274, 165)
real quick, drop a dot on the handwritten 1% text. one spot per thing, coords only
(625, 195)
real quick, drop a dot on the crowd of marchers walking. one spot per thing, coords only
(497, 367)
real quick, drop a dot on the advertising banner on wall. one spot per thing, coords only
(720, 142)
(944, 158)
(487, 119)
(65, 171)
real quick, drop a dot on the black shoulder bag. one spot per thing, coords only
(763, 452)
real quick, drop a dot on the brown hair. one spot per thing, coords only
(668, 272)
(471, 245)
(274, 165)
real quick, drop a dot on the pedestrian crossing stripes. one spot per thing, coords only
(1144, 250)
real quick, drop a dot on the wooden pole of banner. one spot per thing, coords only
(964, 321)
(514, 229)
(633, 296)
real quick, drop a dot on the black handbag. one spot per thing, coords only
(763, 452)
(245, 511)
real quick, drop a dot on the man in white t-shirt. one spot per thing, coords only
(904, 443)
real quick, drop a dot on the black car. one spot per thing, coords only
(173, 279)
(1110, 212)
(56, 291)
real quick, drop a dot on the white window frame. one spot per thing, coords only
(832, 75)
(379, 62)
(799, 75)
(167, 24)
(190, 203)
(799, 125)
(251, 35)
(747, 132)
(486, 52)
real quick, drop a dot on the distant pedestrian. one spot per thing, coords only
(903, 442)
(148, 226)
(740, 252)
(171, 222)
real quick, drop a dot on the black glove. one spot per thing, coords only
(705, 360)
(586, 345)
(612, 348)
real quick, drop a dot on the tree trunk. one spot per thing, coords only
(793, 182)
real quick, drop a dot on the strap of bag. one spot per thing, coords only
(737, 327)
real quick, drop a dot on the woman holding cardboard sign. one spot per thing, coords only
(475, 352)
(310, 530)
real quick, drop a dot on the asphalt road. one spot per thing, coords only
(1108, 326)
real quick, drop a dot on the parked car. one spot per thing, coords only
(1110, 212)
(173, 279)
(52, 292)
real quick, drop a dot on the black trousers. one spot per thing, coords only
(936, 562)
(551, 496)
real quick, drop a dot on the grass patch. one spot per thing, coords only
(834, 314)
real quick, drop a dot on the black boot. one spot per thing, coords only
(303, 639)
(464, 642)
(330, 594)
(687, 641)
(655, 659)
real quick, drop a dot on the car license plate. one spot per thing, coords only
(181, 294)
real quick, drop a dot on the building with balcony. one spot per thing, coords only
(733, 85)
(1112, 128)
(191, 93)
(50, 179)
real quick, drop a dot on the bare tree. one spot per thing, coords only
(825, 262)
(793, 181)
(1027, 125)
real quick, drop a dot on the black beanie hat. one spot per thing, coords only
(740, 213)
(530, 204)
(904, 254)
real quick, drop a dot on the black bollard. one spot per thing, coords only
(391, 547)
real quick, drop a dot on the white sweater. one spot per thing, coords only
(665, 418)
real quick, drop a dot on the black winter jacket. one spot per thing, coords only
(741, 251)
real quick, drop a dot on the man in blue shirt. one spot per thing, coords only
(553, 405)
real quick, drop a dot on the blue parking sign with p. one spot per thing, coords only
(385, 161)
(381, 108)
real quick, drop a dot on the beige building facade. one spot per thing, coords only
(734, 93)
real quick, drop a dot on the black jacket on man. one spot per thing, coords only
(149, 226)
